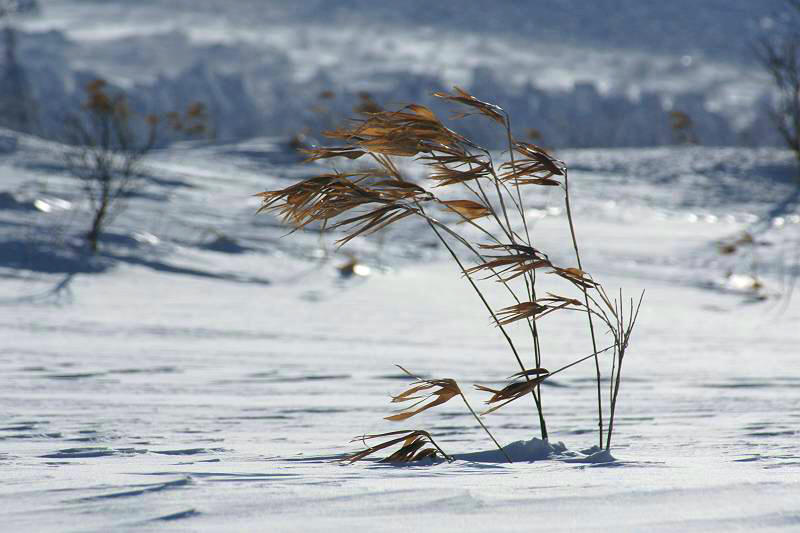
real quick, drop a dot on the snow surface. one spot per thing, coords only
(204, 374)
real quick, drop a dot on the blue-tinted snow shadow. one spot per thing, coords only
(73, 257)
(48, 258)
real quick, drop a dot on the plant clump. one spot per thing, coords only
(376, 194)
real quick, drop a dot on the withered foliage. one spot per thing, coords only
(514, 391)
(576, 276)
(406, 132)
(453, 173)
(315, 154)
(325, 197)
(413, 447)
(520, 261)
(371, 193)
(468, 209)
(538, 309)
(536, 167)
(438, 391)
(194, 121)
(109, 142)
(492, 111)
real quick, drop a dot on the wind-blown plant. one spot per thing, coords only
(369, 198)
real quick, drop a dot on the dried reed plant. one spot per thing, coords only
(363, 201)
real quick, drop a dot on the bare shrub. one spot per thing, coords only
(110, 140)
(779, 54)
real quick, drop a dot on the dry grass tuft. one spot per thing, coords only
(490, 202)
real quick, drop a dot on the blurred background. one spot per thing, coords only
(576, 74)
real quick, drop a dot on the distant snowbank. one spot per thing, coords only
(282, 82)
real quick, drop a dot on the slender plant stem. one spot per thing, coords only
(530, 279)
(474, 286)
(588, 312)
(485, 428)
(496, 181)
(507, 230)
(531, 322)
(614, 402)
(625, 334)
(447, 457)
(477, 290)
(581, 360)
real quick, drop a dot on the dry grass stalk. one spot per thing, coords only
(468, 209)
(367, 200)
(110, 140)
(579, 278)
(621, 328)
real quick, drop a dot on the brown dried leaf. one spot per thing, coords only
(538, 309)
(412, 442)
(349, 152)
(537, 154)
(511, 392)
(523, 261)
(530, 372)
(423, 112)
(447, 175)
(575, 276)
(443, 391)
(520, 311)
(492, 111)
(467, 208)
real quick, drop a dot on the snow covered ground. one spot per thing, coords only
(204, 374)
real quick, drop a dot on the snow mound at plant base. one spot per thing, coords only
(591, 455)
(528, 451)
